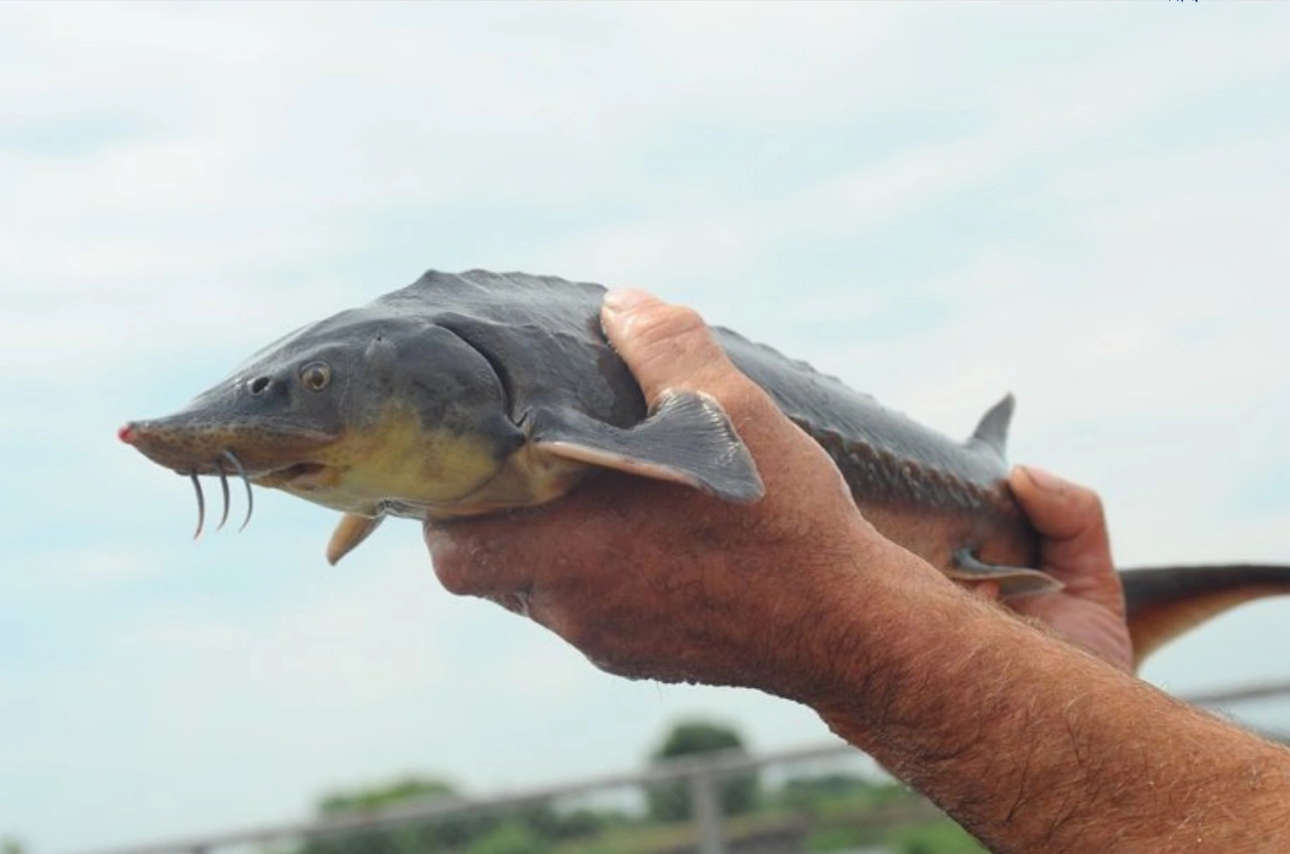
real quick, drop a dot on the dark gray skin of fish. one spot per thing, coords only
(493, 365)
(933, 495)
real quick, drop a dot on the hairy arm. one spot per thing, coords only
(1029, 741)
(1034, 745)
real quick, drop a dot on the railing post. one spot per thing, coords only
(707, 812)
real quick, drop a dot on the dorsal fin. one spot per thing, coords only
(993, 429)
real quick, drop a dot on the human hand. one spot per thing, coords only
(1074, 549)
(654, 580)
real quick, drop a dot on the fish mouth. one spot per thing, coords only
(288, 474)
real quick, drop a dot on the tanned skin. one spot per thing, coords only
(1032, 732)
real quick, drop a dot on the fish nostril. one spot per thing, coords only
(258, 385)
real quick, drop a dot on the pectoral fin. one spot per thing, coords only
(351, 531)
(687, 439)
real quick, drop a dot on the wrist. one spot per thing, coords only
(868, 637)
(918, 651)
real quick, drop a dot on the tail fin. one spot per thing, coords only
(1164, 602)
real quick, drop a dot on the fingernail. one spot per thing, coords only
(624, 300)
(1044, 480)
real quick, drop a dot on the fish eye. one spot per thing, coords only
(315, 375)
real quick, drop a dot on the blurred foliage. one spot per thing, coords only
(817, 794)
(814, 813)
(810, 789)
(941, 837)
(852, 808)
(379, 797)
(836, 839)
(672, 801)
(511, 837)
(9, 845)
(527, 829)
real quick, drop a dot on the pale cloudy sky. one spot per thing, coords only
(1085, 204)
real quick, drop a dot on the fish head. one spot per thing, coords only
(363, 412)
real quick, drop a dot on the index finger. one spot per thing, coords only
(670, 347)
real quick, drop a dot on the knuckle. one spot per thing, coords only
(744, 400)
(454, 578)
(457, 565)
(574, 631)
(611, 666)
(516, 603)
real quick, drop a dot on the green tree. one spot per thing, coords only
(9, 845)
(510, 837)
(672, 801)
(446, 833)
(810, 792)
(390, 794)
(937, 837)
(527, 829)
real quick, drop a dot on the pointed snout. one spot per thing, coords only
(177, 443)
(196, 445)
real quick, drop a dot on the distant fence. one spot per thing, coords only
(822, 798)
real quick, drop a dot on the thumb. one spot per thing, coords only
(1069, 519)
(666, 346)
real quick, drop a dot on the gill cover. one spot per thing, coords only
(428, 419)
(430, 426)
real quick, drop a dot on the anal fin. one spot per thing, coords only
(351, 531)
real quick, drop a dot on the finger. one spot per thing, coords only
(497, 555)
(465, 561)
(1069, 519)
(518, 552)
(666, 346)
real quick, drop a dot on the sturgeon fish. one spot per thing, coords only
(468, 394)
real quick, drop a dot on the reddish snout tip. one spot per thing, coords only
(127, 434)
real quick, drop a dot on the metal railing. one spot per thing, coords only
(702, 775)
(700, 772)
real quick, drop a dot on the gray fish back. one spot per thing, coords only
(543, 336)
(884, 455)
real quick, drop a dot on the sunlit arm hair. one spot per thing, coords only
(1035, 745)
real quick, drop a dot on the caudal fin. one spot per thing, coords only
(1164, 602)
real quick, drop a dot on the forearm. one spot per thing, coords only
(1034, 745)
